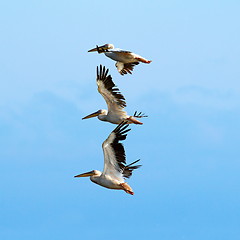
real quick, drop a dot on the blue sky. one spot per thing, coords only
(188, 186)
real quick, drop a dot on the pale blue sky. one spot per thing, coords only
(188, 187)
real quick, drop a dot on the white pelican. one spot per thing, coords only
(126, 60)
(115, 168)
(114, 99)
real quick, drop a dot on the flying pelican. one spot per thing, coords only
(114, 99)
(126, 60)
(115, 169)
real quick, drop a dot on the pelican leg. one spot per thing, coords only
(127, 188)
(143, 60)
(131, 119)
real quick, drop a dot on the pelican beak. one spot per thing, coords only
(98, 49)
(87, 174)
(92, 115)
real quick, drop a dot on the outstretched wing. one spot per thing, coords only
(114, 153)
(106, 87)
(124, 68)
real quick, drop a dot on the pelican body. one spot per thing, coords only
(114, 99)
(125, 60)
(115, 169)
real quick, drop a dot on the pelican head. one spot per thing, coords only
(89, 174)
(101, 49)
(99, 113)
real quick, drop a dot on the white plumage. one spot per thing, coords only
(125, 60)
(115, 169)
(114, 100)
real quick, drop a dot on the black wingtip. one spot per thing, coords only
(120, 131)
(134, 163)
(102, 73)
(106, 79)
(127, 173)
(121, 127)
(139, 115)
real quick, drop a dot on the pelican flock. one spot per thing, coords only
(125, 60)
(115, 169)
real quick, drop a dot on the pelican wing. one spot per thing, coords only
(127, 172)
(124, 68)
(106, 87)
(114, 153)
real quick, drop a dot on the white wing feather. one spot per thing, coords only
(111, 167)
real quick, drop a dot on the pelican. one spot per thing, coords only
(115, 169)
(126, 60)
(114, 99)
